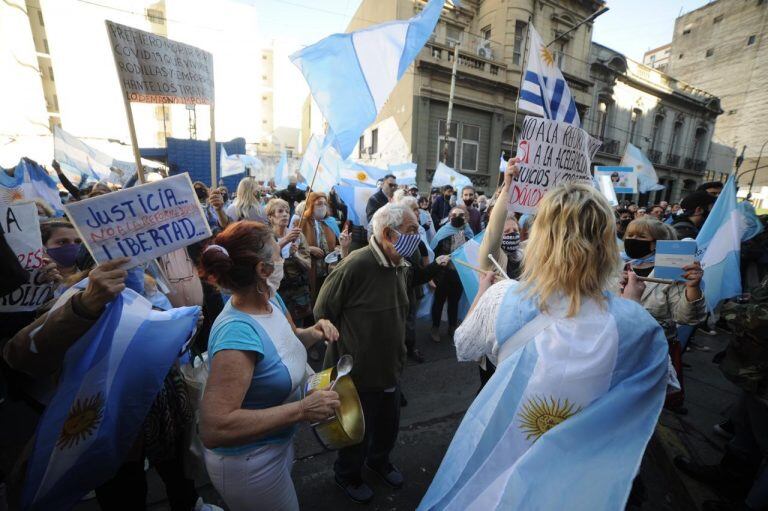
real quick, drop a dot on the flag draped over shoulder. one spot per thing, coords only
(445, 175)
(719, 248)
(356, 199)
(29, 182)
(545, 92)
(352, 75)
(109, 380)
(647, 180)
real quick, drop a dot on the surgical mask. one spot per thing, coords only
(274, 279)
(457, 221)
(201, 193)
(510, 242)
(406, 244)
(320, 212)
(64, 255)
(637, 249)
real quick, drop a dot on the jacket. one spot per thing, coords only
(377, 201)
(669, 306)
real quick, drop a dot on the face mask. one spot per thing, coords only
(406, 244)
(135, 279)
(320, 212)
(643, 272)
(510, 242)
(225, 197)
(481, 206)
(457, 221)
(291, 187)
(637, 249)
(274, 279)
(64, 255)
(468, 202)
(200, 193)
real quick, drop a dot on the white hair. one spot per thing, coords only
(399, 194)
(391, 215)
(408, 201)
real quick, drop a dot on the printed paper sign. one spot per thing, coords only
(143, 222)
(154, 69)
(21, 229)
(550, 153)
(624, 179)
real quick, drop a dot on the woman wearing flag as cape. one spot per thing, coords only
(580, 377)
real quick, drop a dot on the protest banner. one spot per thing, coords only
(143, 222)
(21, 229)
(549, 152)
(154, 69)
(624, 179)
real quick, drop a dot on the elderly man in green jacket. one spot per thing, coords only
(367, 297)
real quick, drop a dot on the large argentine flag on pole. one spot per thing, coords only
(29, 182)
(76, 156)
(352, 75)
(321, 159)
(647, 180)
(281, 171)
(405, 173)
(357, 174)
(469, 253)
(445, 175)
(356, 199)
(719, 242)
(110, 379)
(545, 91)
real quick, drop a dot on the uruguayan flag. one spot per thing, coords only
(545, 92)
(281, 171)
(565, 419)
(356, 199)
(719, 243)
(352, 75)
(109, 380)
(751, 225)
(469, 253)
(321, 159)
(77, 157)
(357, 174)
(445, 175)
(404, 172)
(30, 182)
(647, 180)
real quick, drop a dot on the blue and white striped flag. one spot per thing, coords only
(545, 92)
(751, 225)
(356, 199)
(404, 172)
(719, 248)
(281, 171)
(357, 174)
(445, 175)
(77, 157)
(109, 380)
(352, 75)
(30, 182)
(469, 253)
(321, 159)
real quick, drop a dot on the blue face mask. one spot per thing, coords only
(407, 244)
(135, 279)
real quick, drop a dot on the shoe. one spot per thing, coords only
(435, 334)
(416, 356)
(357, 492)
(202, 506)
(390, 474)
(724, 429)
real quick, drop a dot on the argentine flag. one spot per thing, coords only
(321, 159)
(281, 171)
(352, 75)
(719, 243)
(469, 253)
(647, 180)
(545, 92)
(404, 172)
(445, 175)
(30, 182)
(109, 380)
(357, 174)
(356, 199)
(77, 157)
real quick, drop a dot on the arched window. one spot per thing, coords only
(634, 121)
(699, 142)
(674, 157)
(603, 113)
(656, 135)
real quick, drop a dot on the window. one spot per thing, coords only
(56, 102)
(40, 17)
(717, 19)
(375, 141)
(264, 77)
(603, 110)
(155, 16)
(485, 32)
(675, 136)
(680, 56)
(658, 122)
(452, 35)
(263, 57)
(450, 159)
(699, 143)
(520, 35)
(361, 146)
(263, 98)
(710, 52)
(732, 112)
(50, 72)
(45, 45)
(633, 121)
(653, 59)
(470, 146)
(751, 40)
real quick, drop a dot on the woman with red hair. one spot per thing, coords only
(320, 238)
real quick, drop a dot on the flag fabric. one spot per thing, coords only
(545, 92)
(357, 174)
(750, 224)
(77, 157)
(647, 181)
(281, 171)
(229, 167)
(356, 199)
(445, 175)
(352, 75)
(719, 248)
(320, 158)
(557, 397)
(469, 253)
(404, 172)
(109, 380)
(502, 164)
(29, 182)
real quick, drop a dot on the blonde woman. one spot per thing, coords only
(580, 376)
(247, 205)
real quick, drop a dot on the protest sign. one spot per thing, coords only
(155, 69)
(623, 179)
(21, 229)
(549, 152)
(143, 222)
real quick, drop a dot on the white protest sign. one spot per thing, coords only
(155, 69)
(21, 229)
(550, 153)
(143, 222)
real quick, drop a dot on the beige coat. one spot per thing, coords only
(669, 306)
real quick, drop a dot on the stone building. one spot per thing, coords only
(658, 58)
(719, 47)
(671, 121)
(491, 35)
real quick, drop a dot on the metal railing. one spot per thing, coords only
(655, 156)
(475, 52)
(610, 146)
(673, 160)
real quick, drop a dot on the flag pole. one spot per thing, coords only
(520, 85)
(450, 104)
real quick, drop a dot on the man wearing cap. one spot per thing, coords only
(696, 207)
(413, 191)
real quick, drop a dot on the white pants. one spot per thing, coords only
(256, 480)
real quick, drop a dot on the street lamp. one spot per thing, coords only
(754, 171)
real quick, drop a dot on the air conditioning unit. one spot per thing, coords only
(484, 50)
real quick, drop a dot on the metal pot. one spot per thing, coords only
(347, 426)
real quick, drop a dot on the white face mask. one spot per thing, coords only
(320, 212)
(274, 279)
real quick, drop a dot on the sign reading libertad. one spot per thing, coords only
(154, 69)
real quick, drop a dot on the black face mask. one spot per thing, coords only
(643, 272)
(225, 197)
(291, 187)
(637, 249)
(510, 242)
(457, 221)
(201, 193)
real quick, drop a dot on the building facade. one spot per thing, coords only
(719, 47)
(670, 121)
(491, 37)
(658, 58)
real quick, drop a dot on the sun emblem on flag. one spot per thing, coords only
(540, 414)
(10, 195)
(83, 420)
(547, 56)
(362, 176)
(452, 179)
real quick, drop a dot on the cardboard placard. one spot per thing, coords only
(624, 179)
(143, 222)
(550, 153)
(21, 229)
(155, 69)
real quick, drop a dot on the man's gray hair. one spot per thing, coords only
(409, 202)
(390, 215)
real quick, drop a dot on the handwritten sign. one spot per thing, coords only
(550, 153)
(21, 229)
(143, 222)
(624, 179)
(155, 69)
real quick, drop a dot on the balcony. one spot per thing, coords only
(610, 146)
(655, 156)
(673, 160)
(695, 165)
(477, 55)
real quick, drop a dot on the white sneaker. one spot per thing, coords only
(202, 506)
